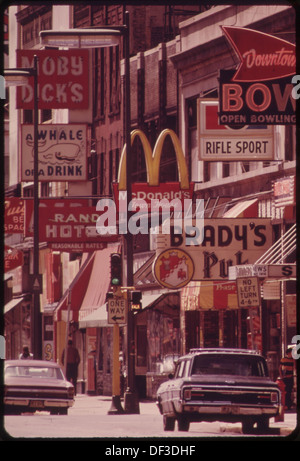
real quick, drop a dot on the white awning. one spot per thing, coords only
(244, 209)
(97, 319)
(11, 304)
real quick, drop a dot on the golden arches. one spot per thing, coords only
(153, 159)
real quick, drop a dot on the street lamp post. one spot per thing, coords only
(99, 38)
(17, 77)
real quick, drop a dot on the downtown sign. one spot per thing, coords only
(260, 91)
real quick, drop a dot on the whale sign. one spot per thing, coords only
(62, 152)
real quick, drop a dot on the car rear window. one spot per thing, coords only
(34, 372)
(229, 365)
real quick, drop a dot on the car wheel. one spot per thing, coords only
(247, 426)
(263, 425)
(169, 423)
(183, 423)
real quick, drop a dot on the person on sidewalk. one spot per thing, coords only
(73, 360)
(26, 355)
(286, 371)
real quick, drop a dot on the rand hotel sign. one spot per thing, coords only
(62, 152)
(260, 91)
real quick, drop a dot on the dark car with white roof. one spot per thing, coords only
(229, 385)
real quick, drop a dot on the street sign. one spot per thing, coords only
(117, 311)
(263, 271)
(36, 282)
(248, 290)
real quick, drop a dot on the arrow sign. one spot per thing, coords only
(36, 283)
(117, 311)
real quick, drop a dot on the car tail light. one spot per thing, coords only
(187, 394)
(71, 392)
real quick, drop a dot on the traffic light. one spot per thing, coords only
(136, 297)
(116, 269)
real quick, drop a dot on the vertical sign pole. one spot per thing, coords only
(36, 339)
(116, 407)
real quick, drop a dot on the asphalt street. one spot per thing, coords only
(89, 418)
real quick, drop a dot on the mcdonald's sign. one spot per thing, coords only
(153, 189)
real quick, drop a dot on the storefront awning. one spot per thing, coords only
(209, 295)
(244, 209)
(98, 284)
(96, 319)
(76, 291)
(12, 304)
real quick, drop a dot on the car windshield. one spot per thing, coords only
(34, 372)
(229, 365)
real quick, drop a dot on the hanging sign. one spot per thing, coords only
(219, 142)
(63, 79)
(62, 151)
(14, 215)
(225, 243)
(248, 290)
(12, 258)
(173, 268)
(260, 91)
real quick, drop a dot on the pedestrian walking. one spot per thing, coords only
(286, 372)
(73, 360)
(26, 355)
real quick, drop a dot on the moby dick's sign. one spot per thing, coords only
(259, 91)
(62, 79)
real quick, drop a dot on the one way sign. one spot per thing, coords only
(117, 311)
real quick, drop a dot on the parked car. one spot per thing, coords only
(31, 385)
(229, 385)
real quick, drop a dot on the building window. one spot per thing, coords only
(101, 174)
(99, 93)
(114, 80)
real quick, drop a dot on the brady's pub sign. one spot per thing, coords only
(260, 90)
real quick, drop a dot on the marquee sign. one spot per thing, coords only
(260, 90)
(219, 142)
(62, 79)
(225, 243)
(62, 152)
